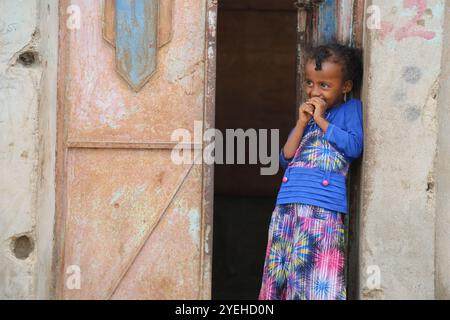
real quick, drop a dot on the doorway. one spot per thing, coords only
(256, 88)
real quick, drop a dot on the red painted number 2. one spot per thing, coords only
(413, 27)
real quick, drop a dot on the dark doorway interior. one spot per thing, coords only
(256, 88)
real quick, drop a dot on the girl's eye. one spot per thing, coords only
(308, 83)
(324, 85)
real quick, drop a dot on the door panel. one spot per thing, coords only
(116, 199)
(100, 105)
(136, 224)
(175, 246)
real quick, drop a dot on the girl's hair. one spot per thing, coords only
(348, 57)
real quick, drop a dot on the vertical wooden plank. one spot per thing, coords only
(136, 40)
(302, 46)
(326, 28)
(334, 21)
(355, 175)
(344, 21)
(358, 23)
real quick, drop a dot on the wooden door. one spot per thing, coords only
(131, 224)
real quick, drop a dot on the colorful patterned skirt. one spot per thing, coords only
(305, 255)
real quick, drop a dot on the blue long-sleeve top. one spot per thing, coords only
(316, 175)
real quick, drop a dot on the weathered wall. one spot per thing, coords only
(28, 59)
(403, 67)
(442, 281)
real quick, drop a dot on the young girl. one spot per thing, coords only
(305, 255)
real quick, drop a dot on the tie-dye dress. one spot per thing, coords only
(305, 256)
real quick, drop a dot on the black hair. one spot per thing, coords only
(349, 58)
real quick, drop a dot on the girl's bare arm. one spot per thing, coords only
(306, 112)
(294, 140)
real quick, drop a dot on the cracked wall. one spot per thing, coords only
(28, 61)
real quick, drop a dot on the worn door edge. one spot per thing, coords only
(61, 156)
(205, 292)
(355, 176)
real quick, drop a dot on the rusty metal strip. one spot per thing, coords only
(207, 202)
(131, 145)
(109, 21)
(165, 22)
(136, 40)
(119, 280)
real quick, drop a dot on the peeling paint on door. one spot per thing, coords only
(136, 40)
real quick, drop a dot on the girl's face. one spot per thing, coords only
(327, 84)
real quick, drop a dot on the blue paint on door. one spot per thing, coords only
(136, 40)
(327, 25)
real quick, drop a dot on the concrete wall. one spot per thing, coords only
(28, 62)
(397, 230)
(442, 280)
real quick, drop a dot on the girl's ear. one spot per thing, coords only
(347, 87)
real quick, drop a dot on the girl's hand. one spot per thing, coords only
(320, 106)
(306, 112)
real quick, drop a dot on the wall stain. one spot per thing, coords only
(412, 113)
(411, 74)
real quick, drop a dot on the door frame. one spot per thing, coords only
(208, 169)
